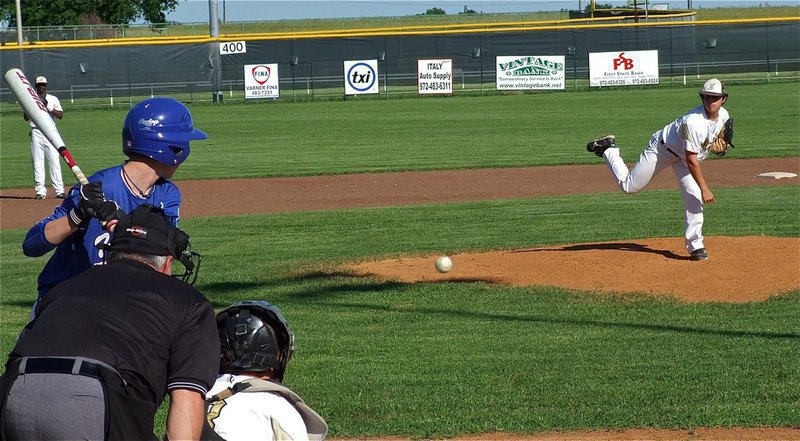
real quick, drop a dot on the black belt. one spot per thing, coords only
(58, 365)
(661, 140)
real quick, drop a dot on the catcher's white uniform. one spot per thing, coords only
(692, 132)
(41, 148)
(260, 415)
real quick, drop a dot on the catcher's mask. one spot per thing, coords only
(254, 337)
(147, 230)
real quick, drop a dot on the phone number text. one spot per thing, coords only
(627, 82)
(436, 85)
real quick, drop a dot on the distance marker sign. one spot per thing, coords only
(233, 47)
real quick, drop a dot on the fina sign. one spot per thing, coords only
(261, 81)
(361, 77)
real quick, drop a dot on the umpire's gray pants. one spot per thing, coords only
(47, 406)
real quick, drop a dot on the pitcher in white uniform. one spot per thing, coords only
(682, 144)
(42, 149)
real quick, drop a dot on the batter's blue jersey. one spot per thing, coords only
(80, 251)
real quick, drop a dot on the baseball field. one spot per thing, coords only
(571, 311)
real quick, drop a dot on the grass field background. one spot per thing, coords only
(425, 360)
(312, 138)
(305, 25)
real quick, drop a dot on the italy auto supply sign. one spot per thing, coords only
(434, 77)
(261, 81)
(530, 72)
(623, 68)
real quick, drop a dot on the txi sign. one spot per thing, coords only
(361, 77)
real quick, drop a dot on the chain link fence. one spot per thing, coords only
(312, 68)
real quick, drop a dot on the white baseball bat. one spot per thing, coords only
(32, 105)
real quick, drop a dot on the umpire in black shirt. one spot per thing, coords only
(110, 343)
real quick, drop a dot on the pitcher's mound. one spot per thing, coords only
(740, 269)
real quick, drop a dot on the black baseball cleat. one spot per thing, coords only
(699, 254)
(60, 196)
(598, 146)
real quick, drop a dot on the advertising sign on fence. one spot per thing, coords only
(361, 77)
(261, 81)
(434, 76)
(530, 72)
(623, 68)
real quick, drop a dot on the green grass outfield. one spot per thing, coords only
(378, 358)
(311, 138)
(442, 359)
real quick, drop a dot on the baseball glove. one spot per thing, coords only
(724, 141)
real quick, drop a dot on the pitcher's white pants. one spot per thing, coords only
(652, 161)
(41, 149)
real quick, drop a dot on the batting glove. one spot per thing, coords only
(108, 211)
(92, 198)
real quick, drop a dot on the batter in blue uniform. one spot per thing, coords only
(155, 137)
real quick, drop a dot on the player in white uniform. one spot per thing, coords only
(41, 148)
(681, 145)
(249, 401)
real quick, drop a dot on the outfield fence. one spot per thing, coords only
(120, 72)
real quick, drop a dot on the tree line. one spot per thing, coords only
(86, 12)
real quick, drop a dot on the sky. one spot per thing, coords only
(190, 11)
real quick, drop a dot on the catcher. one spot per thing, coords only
(249, 400)
(681, 145)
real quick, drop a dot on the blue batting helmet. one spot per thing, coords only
(159, 128)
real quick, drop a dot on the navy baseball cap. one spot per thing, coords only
(148, 230)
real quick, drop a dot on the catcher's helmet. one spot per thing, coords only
(159, 128)
(254, 336)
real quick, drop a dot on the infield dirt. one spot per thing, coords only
(231, 197)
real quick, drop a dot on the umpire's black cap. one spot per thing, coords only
(147, 230)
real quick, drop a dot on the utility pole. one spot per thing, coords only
(214, 57)
(19, 35)
(19, 23)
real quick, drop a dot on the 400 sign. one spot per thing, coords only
(232, 47)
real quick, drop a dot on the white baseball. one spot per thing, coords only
(444, 264)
